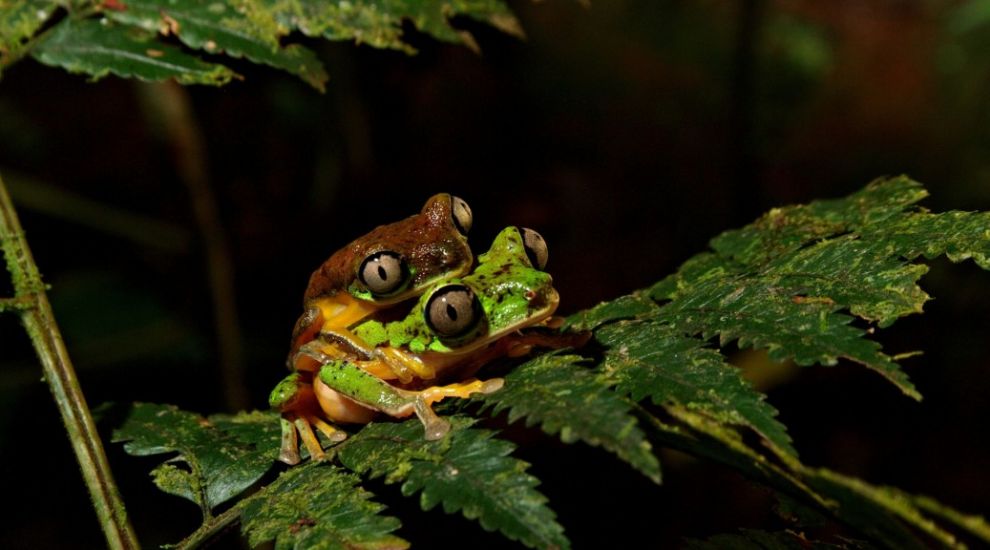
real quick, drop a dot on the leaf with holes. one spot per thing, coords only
(98, 49)
(212, 465)
(242, 29)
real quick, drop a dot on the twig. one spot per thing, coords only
(39, 321)
(211, 528)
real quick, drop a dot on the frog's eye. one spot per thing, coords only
(461, 213)
(536, 247)
(383, 272)
(452, 311)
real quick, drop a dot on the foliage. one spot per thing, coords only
(468, 471)
(222, 456)
(792, 282)
(137, 38)
(318, 506)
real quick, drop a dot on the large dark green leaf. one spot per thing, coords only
(137, 46)
(212, 464)
(236, 29)
(467, 471)
(99, 48)
(378, 23)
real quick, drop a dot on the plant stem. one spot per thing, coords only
(39, 321)
(211, 529)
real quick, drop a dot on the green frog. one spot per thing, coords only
(452, 330)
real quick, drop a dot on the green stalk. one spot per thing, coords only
(31, 303)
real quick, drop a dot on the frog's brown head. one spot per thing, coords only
(401, 259)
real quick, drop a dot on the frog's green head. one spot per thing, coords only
(506, 291)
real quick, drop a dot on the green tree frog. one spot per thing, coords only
(451, 331)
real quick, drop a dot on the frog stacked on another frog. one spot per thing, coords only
(368, 363)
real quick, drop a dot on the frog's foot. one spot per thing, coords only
(289, 453)
(434, 426)
(303, 427)
(313, 354)
(293, 396)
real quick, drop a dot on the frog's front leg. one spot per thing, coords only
(339, 379)
(295, 399)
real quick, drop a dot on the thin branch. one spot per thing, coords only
(212, 528)
(39, 321)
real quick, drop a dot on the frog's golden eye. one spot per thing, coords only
(383, 272)
(461, 213)
(536, 247)
(452, 311)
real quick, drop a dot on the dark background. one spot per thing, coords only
(628, 133)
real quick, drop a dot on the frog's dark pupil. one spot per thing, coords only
(452, 312)
(382, 273)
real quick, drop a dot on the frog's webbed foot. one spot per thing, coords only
(302, 427)
(293, 396)
(436, 427)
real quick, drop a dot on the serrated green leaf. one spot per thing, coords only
(99, 48)
(318, 506)
(237, 29)
(378, 23)
(886, 515)
(467, 471)
(881, 513)
(784, 282)
(216, 464)
(566, 398)
(653, 359)
(775, 311)
(20, 19)
(786, 229)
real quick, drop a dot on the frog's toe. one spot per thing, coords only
(434, 427)
(334, 434)
(309, 439)
(492, 386)
(289, 452)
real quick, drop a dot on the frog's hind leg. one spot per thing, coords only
(289, 452)
(347, 379)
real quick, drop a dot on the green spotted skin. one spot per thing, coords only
(512, 293)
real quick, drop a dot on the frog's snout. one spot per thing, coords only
(543, 299)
